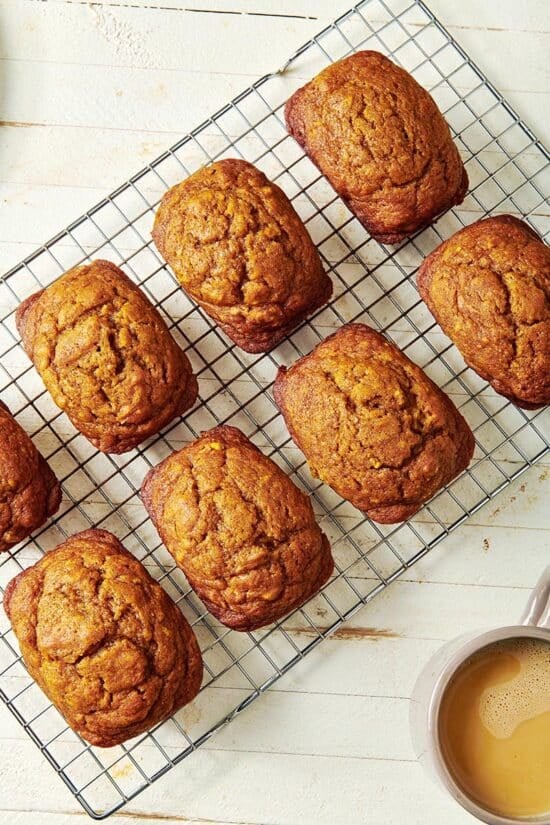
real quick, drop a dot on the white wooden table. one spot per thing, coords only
(88, 93)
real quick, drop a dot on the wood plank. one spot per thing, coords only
(294, 725)
(41, 817)
(126, 37)
(485, 555)
(125, 97)
(159, 100)
(281, 789)
(532, 16)
(149, 39)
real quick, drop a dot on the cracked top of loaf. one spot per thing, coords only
(372, 424)
(102, 639)
(489, 289)
(238, 247)
(29, 490)
(381, 141)
(242, 532)
(106, 356)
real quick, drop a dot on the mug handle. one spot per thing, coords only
(537, 609)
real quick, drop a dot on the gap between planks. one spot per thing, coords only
(128, 814)
(280, 15)
(236, 12)
(275, 688)
(206, 747)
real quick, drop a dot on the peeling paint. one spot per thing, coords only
(127, 43)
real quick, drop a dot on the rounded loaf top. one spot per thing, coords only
(488, 287)
(380, 139)
(372, 424)
(238, 247)
(106, 356)
(102, 638)
(242, 532)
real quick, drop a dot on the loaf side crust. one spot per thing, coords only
(29, 490)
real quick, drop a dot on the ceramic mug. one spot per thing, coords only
(433, 681)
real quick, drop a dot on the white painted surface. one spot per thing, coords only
(88, 94)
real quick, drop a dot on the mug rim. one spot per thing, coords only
(467, 649)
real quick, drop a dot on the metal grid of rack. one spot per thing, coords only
(509, 171)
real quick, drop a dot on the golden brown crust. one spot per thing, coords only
(372, 424)
(240, 250)
(381, 141)
(241, 531)
(102, 639)
(29, 490)
(106, 356)
(488, 288)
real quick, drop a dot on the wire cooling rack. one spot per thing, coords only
(509, 172)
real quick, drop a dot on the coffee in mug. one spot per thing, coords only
(494, 727)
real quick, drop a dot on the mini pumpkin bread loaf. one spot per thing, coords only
(106, 356)
(382, 143)
(488, 288)
(241, 531)
(29, 491)
(239, 249)
(372, 424)
(103, 640)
